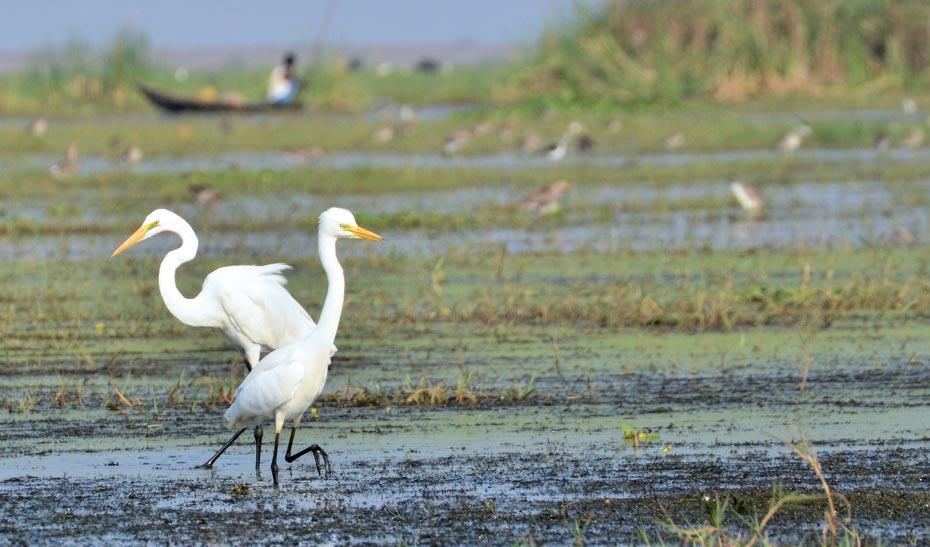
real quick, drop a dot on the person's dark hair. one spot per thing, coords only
(289, 58)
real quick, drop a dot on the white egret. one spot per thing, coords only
(289, 379)
(249, 304)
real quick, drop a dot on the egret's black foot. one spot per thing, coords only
(318, 453)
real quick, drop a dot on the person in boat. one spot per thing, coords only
(283, 85)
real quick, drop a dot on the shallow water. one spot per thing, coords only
(354, 160)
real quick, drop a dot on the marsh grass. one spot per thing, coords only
(664, 52)
(728, 525)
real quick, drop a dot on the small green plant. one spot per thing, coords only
(638, 435)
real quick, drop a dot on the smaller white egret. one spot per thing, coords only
(249, 304)
(289, 379)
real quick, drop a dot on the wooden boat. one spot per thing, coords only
(170, 102)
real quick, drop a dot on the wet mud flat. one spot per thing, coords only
(551, 468)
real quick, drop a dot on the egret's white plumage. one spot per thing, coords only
(287, 381)
(249, 304)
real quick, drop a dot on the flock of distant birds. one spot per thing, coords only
(545, 201)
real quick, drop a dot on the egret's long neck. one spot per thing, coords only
(335, 293)
(184, 309)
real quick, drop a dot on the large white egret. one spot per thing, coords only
(287, 381)
(249, 304)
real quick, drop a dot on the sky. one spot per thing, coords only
(179, 24)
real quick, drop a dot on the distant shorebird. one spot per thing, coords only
(132, 155)
(909, 106)
(881, 141)
(585, 143)
(794, 139)
(407, 115)
(914, 139)
(557, 151)
(37, 127)
(384, 134)
(68, 165)
(482, 128)
(748, 198)
(307, 153)
(204, 195)
(675, 141)
(546, 201)
(454, 143)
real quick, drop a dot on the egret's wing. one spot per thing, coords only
(257, 305)
(271, 384)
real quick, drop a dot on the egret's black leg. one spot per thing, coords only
(274, 458)
(317, 453)
(259, 432)
(222, 449)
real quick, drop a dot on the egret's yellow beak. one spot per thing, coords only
(362, 233)
(136, 237)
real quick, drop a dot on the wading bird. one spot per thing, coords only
(556, 151)
(748, 198)
(881, 141)
(454, 143)
(204, 195)
(249, 304)
(675, 141)
(287, 381)
(546, 201)
(794, 139)
(66, 166)
(132, 155)
(37, 127)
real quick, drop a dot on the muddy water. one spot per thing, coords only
(511, 471)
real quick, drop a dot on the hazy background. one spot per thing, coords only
(186, 24)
